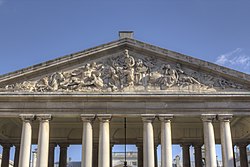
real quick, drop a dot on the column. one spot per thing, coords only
(51, 154)
(43, 140)
(148, 140)
(209, 140)
(104, 140)
(198, 155)
(155, 152)
(63, 155)
(6, 154)
(139, 154)
(95, 155)
(226, 140)
(111, 156)
(87, 140)
(34, 158)
(16, 157)
(243, 154)
(166, 140)
(234, 155)
(186, 154)
(24, 155)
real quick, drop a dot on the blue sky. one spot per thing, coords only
(32, 31)
(35, 31)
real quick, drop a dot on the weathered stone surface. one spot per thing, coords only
(127, 72)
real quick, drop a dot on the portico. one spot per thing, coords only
(107, 129)
(167, 98)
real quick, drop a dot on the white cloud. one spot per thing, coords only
(236, 59)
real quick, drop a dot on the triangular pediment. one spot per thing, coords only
(126, 65)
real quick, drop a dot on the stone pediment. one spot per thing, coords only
(124, 68)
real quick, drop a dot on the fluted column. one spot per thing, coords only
(104, 141)
(43, 140)
(63, 155)
(209, 140)
(24, 155)
(186, 154)
(16, 158)
(51, 154)
(148, 140)
(87, 140)
(166, 140)
(243, 154)
(139, 154)
(198, 155)
(6, 154)
(226, 140)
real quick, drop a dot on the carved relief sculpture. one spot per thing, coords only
(125, 72)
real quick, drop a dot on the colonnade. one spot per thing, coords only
(146, 151)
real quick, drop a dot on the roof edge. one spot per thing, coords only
(136, 43)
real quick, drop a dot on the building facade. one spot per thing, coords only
(167, 98)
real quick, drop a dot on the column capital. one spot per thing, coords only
(27, 117)
(52, 145)
(225, 117)
(104, 117)
(44, 117)
(186, 145)
(208, 117)
(63, 145)
(34, 151)
(165, 117)
(197, 145)
(148, 117)
(87, 117)
(139, 144)
(6, 145)
(243, 144)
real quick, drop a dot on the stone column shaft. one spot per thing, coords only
(234, 156)
(63, 155)
(226, 140)
(24, 155)
(16, 158)
(243, 154)
(111, 154)
(148, 141)
(34, 158)
(87, 140)
(51, 154)
(186, 154)
(166, 140)
(6, 155)
(209, 140)
(95, 155)
(155, 152)
(104, 141)
(43, 140)
(198, 155)
(139, 154)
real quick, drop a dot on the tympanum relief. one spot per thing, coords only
(125, 72)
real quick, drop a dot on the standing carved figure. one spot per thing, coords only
(140, 73)
(128, 71)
